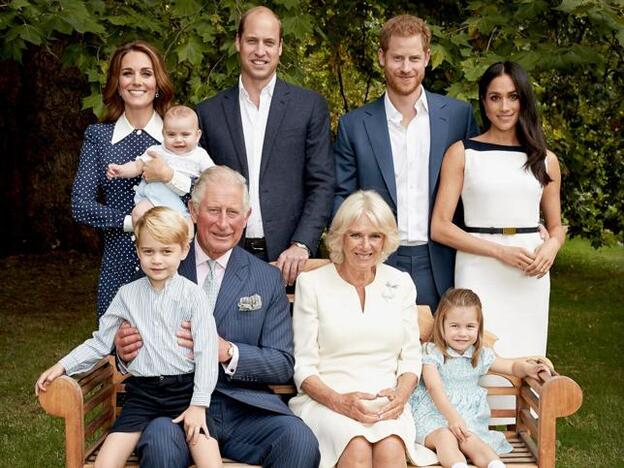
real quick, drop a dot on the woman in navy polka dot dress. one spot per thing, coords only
(138, 92)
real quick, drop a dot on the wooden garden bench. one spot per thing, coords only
(90, 402)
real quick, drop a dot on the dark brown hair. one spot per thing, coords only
(528, 129)
(404, 26)
(456, 297)
(112, 100)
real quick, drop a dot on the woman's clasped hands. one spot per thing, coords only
(369, 408)
(396, 403)
(544, 257)
(516, 257)
(536, 263)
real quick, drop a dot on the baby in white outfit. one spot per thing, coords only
(180, 151)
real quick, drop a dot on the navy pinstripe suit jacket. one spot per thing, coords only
(264, 337)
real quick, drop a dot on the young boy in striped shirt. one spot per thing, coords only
(164, 380)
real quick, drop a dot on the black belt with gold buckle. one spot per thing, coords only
(507, 231)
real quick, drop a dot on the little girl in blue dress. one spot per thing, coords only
(449, 406)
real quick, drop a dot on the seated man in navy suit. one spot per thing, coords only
(395, 145)
(252, 424)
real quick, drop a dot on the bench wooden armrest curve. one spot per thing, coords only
(70, 398)
(561, 396)
(62, 397)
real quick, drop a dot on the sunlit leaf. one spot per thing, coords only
(191, 51)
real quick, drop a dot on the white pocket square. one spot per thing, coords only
(249, 303)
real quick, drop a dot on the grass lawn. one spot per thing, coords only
(47, 307)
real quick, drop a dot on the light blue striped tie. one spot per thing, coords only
(210, 283)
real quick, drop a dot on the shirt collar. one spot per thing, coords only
(393, 115)
(467, 354)
(123, 128)
(168, 282)
(202, 257)
(268, 89)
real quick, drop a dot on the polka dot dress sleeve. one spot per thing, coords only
(86, 206)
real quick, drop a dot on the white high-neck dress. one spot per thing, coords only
(499, 192)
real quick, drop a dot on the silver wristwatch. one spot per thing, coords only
(302, 246)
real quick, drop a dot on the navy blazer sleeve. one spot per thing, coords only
(271, 361)
(319, 177)
(346, 165)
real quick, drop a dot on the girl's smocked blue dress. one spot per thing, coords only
(461, 382)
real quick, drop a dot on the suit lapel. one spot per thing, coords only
(187, 267)
(231, 110)
(438, 124)
(236, 274)
(277, 111)
(376, 126)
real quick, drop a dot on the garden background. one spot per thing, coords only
(53, 60)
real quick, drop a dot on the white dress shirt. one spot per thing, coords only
(201, 264)
(180, 183)
(254, 120)
(410, 156)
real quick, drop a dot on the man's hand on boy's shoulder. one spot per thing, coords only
(127, 342)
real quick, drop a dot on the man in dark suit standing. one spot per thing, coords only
(252, 314)
(277, 135)
(395, 146)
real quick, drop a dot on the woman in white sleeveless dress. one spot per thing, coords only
(505, 176)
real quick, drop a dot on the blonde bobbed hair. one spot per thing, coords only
(362, 203)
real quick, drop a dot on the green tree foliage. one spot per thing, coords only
(573, 49)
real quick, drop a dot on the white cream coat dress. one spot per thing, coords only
(353, 350)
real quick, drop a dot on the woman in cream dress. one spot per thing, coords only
(357, 348)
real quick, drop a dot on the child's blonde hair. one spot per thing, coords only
(165, 225)
(181, 112)
(456, 297)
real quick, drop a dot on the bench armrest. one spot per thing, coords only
(71, 398)
(552, 397)
(539, 402)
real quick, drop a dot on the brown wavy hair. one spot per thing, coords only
(456, 297)
(110, 95)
